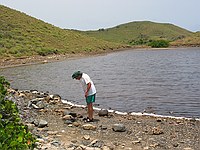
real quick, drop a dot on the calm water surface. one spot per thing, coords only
(165, 82)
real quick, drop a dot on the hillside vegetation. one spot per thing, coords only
(142, 32)
(193, 40)
(22, 35)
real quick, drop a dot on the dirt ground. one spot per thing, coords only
(142, 132)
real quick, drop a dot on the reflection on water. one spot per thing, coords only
(165, 82)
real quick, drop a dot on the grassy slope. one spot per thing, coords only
(193, 40)
(22, 35)
(128, 32)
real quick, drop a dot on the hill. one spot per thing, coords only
(136, 33)
(22, 35)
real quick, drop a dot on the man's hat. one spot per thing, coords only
(76, 74)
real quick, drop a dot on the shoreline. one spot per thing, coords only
(131, 113)
(33, 60)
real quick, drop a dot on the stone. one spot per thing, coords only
(73, 114)
(30, 126)
(96, 143)
(68, 122)
(76, 124)
(157, 131)
(57, 97)
(40, 105)
(92, 148)
(52, 132)
(103, 112)
(89, 127)
(106, 148)
(136, 141)
(86, 137)
(119, 128)
(188, 148)
(67, 117)
(56, 143)
(42, 123)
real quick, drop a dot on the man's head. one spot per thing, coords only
(77, 75)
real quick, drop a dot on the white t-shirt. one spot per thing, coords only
(84, 81)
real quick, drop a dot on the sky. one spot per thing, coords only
(97, 14)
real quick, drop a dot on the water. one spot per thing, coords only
(165, 82)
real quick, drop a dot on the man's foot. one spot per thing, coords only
(88, 119)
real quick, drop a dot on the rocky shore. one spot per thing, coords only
(60, 126)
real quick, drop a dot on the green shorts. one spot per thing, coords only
(90, 99)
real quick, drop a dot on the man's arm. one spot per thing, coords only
(88, 88)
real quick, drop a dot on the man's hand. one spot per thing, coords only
(86, 94)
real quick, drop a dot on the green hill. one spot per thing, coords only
(22, 35)
(136, 33)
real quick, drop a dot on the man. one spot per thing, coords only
(89, 90)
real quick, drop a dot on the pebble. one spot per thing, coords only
(89, 127)
(119, 128)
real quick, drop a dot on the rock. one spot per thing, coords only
(67, 117)
(92, 148)
(76, 124)
(103, 112)
(146, 148)
(40, 104)
(42, 123)
(35, 106)
(96, 143)
(30, 126)
(136, 141)
(119, 128)
(52, 132)
(89, 127)
(188, 148)
(36, 122)
(56, 143)
(102, 127)
(73, 114)
(86, 137)
(106, 148)
(68, 122)
(66, 112)
(53, 99)
(157, 131)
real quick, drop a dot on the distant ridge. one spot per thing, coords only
(23, 35)
(145, 30)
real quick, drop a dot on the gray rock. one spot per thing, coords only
(103, 112)
(96, 143)
(119, 128)
(40, 104)
(42, 123)
(68, 122)
(56, 143)
(66, 112)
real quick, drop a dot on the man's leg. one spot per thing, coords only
(90, 111)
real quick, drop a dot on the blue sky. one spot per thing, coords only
(96, 14)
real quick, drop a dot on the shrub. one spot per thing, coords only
(159, 43)
(46, 51)
(13, 134)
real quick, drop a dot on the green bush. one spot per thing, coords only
(159, 43)
(45, 52)
(13, 134)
